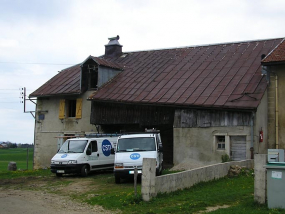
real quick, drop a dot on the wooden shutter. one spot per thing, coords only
(78, 108)
(61, 109)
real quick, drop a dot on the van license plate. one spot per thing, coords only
(132, 172)
(60, 171)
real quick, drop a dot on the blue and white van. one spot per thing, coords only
(82, 155)
(130, 151)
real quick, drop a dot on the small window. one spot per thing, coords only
(94, 146)
(71, 105)
(93, 79)
(70, 108)
(221, 142)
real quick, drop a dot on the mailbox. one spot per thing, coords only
(275, 155)
(275, 179)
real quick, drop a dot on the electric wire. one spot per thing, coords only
(36, 63)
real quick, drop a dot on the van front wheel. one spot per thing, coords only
(84, 171)
(117, 179)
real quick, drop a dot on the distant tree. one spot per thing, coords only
(12, 145)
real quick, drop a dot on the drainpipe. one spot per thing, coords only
(252, 135)
(276, 111)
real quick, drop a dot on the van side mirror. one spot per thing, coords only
(160, 148)
(112, 151)
(88, 151)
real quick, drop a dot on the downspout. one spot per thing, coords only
(276, 111)
(252, 135)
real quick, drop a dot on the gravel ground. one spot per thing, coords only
(34, 202)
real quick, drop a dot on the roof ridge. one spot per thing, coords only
(204, 45)
(263, 60)
(70, 67)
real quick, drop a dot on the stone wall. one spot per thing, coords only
(51, 127)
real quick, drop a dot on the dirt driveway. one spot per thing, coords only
(32, 196)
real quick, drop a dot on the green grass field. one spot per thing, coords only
(237, 193)
(18, 155)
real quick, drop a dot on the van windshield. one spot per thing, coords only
(136, 144)
(73, 146)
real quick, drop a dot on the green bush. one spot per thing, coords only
(225, 158)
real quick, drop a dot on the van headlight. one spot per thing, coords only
(72, 162)
(119, 166)
(52, 162)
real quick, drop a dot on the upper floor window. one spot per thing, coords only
(89, 78)
(93, 78)
(70, 108)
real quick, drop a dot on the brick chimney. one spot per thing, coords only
(113, 48)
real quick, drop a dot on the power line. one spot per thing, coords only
(9, 97)
(35, 63)
(19, 89)
(10, 102)
(7, 89)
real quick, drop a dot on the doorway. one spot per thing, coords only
(238, 148)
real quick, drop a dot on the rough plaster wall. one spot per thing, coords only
(46, 130)
(279, 70)
(261, 119)
(198, 143)
(271, 112)
(281, 115)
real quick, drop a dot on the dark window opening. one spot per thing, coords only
(221, 145)
(71, 111)
(93, 146)
(92, 77)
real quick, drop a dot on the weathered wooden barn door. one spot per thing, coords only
(238, 148)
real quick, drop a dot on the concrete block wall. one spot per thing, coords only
(260, 178)
(186, 179)
(148, 189)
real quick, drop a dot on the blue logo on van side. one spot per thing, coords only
(135, 156)
(64, 156)
(106, 147)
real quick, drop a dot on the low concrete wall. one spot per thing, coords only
(186, 179)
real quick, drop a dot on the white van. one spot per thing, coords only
(82, 155)
(130, 151)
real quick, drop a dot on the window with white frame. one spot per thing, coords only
(221, 142)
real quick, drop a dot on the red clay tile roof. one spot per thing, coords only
(65, 82)
(219, 76)
(277, 55)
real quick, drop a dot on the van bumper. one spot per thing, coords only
(126, 173)
(123, 173)
(66, 169)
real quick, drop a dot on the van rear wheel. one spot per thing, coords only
(84, 171)
(117, 179)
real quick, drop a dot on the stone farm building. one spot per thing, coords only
(206, 100)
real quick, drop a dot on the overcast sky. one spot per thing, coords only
(38, 38)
